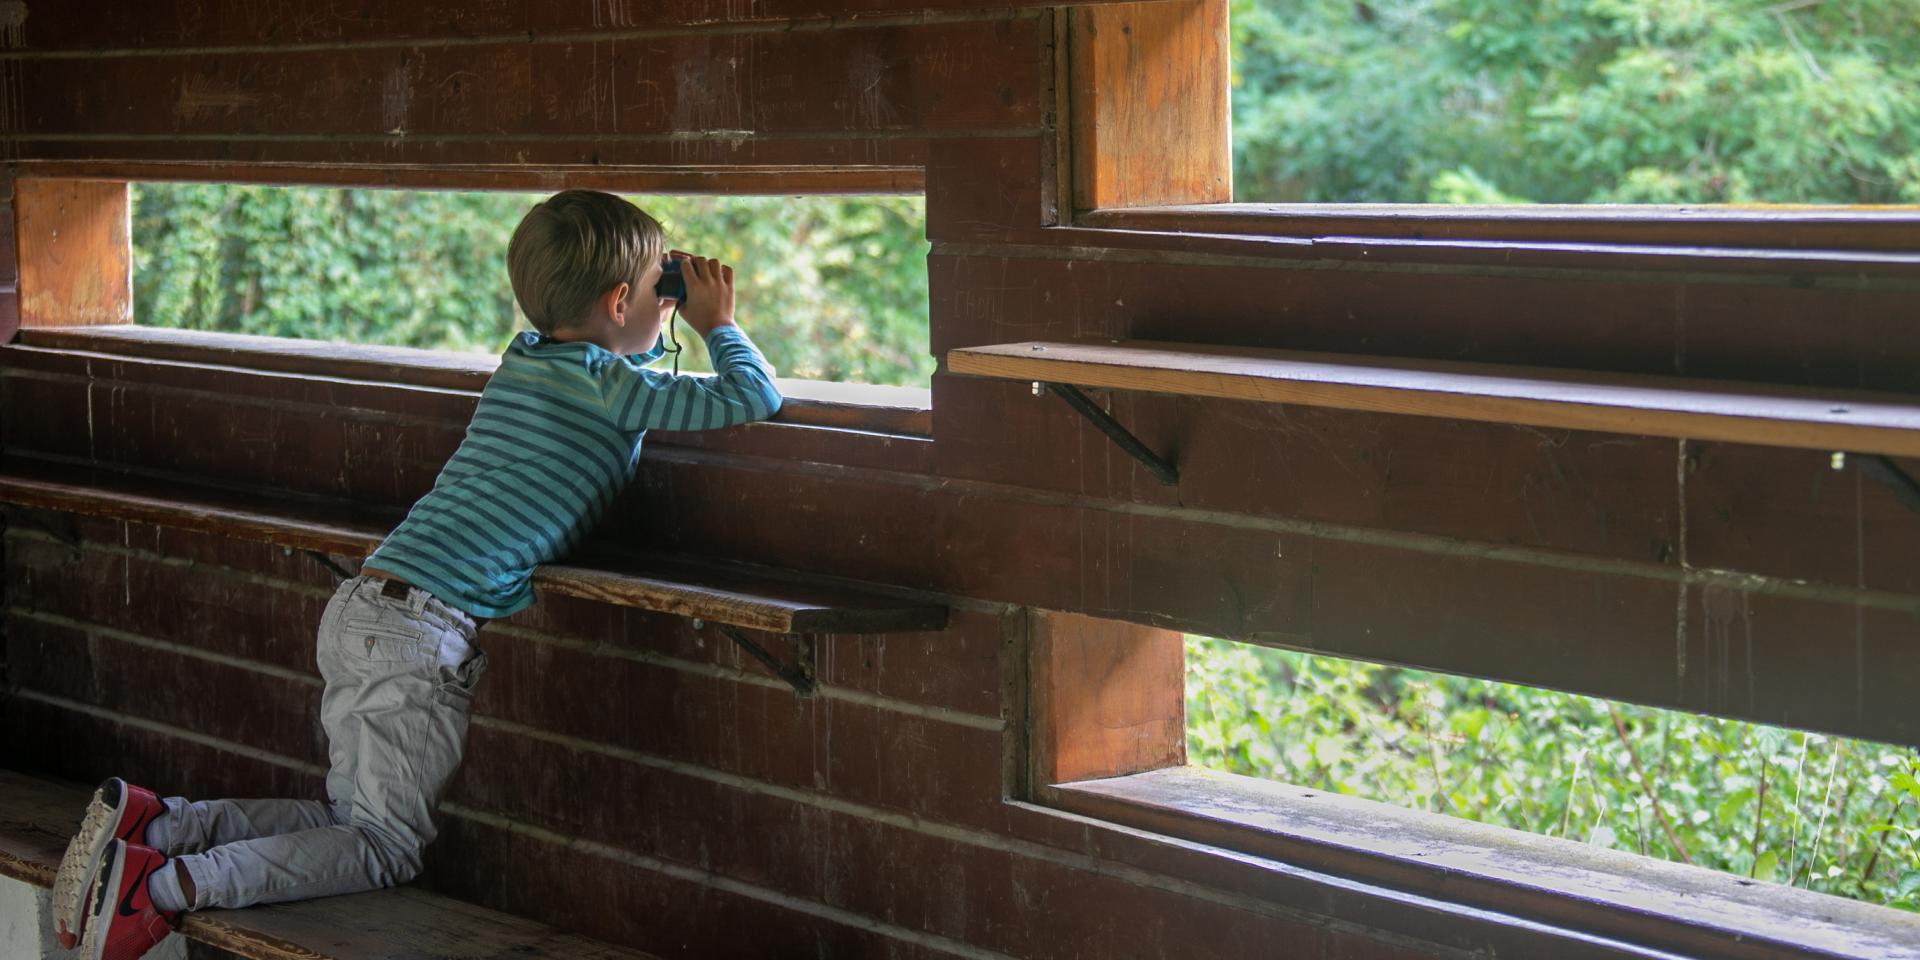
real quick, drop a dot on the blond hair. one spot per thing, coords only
(572, 249)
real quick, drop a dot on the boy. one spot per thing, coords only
(555, 437)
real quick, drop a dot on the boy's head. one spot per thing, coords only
(574, 248)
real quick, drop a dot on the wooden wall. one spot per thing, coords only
(634, 779)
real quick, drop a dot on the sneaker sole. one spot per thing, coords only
(80, 863)
(93, 945)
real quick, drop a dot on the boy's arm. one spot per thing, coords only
(740, 390)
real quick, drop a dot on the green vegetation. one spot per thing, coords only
(832, 288)
(1577, 101)
(1824, 813)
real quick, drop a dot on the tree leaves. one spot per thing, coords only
(1577, 101)
(831, 288)
(1742, 798)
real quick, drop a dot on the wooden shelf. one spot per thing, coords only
(735, 595)
(1853, 421)
(404, 923)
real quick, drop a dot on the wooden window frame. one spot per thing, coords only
(1106, 727)
(1147, 149)
(74, 244)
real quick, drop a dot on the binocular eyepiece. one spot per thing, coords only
(672, 286)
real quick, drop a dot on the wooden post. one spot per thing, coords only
(1107, 698)
(75, 250)
(1147, 93)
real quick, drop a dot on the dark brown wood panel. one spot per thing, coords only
(1791, 514)
(1866, 339)
(1597, 494)
(671, 87)
(82, 25)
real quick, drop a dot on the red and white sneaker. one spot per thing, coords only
(118, 811)
(122, 922)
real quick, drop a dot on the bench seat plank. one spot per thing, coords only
(403, 923)
(1855, 421)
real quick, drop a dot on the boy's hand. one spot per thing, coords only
(709, 292)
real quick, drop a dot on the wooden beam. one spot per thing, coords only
(1641, 405)
(811, 403)
(1147, 94)
(76, 253)
(729, 594)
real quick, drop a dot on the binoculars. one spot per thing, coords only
(672, 286)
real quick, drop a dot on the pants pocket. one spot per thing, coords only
(456, 686)
(379, 641)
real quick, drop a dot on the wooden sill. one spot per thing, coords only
(1574, 886)
(813, 403)
(1859, 241)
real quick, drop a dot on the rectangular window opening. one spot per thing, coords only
(1502, 102)
(832, 287)
(1823, 813)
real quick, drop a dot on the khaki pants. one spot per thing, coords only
(400, 670)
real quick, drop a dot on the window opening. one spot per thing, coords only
(831, 287)
(1622, 101)
(1829, 814)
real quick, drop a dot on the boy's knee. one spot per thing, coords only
(397, 849)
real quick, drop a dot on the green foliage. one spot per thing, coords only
(1573, 101)
(832, 288)
(1825, 813)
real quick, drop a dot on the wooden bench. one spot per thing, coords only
(732, 596)
(1857, 422)
(405, 923)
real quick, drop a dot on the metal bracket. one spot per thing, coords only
(1883, 469)
(799, 676)
(1163, 470)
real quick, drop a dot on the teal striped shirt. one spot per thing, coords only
(554, 440)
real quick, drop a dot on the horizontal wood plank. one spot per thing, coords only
(756, 600)
(816, 403)
(405, 923)
(1533, 396)
(1832, 228)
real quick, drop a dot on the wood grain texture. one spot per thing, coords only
(80, 26)
(719, 178)
(1539, 397)
(1646, 902)
(76, 256)
(1105, 698)
(860, 96)
(36, 816)
(740, 599)
(1147, 93)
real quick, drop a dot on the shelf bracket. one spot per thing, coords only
(1883, 469)
(799, 675)
(1163, 470)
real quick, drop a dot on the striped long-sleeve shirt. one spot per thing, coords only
(555, 438)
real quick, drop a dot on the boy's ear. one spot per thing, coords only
(614, 302)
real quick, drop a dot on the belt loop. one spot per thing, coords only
(417, 600)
